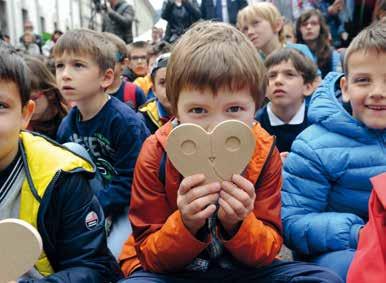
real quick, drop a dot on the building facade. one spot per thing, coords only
(48, 15)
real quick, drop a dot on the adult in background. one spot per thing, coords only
(47, 47)
(28, 45)
(28, 27)
(180, 15)
(118, 19)
(292, 9)
(222, 10)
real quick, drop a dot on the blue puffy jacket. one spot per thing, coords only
(326, 176)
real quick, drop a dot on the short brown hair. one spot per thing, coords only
(212, 55)
(371, 38)
(119, 44)
(88, 43)
(138, 45)
(301, 63)
(14, 69)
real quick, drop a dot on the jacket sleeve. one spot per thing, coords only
(259, 239)
(162, 241)
(124, 19)
(167, 8)
(128, 140)
(308, 228)
(76, 246)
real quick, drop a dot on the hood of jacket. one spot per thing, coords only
(327, 110)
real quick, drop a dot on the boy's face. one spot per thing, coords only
(260, 31)
(13, 118)
(79, 78)
(160, 88)
(138, 61)
(286, 86)
(207, 110)
(365, 87)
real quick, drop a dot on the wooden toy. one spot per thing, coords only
(20, 247)
(225, 151)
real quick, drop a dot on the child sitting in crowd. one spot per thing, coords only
(327, 174)
(108, 129)
(48, 187)
(156, 112)
(312, 30)
(155, 51)
(214, 74)
(263, 24)
(125, 91)
(290, 76)
(138, 63)
(50, 107)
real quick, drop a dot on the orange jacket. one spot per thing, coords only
(161, 242)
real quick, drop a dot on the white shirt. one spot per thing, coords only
(297, 119)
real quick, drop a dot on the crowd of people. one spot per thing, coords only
(85, 118)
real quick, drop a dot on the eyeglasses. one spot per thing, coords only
(138, 58)
(311, 23)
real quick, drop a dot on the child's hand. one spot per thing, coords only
(236, 201)
(197, 202)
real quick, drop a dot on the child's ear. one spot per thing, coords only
(344, 87)
(27, 112)
(107, 78)
(308, 89)
(278, 25)
(126, 62)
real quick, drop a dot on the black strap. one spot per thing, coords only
(162, 169)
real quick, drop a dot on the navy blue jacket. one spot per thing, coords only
(77, 254)
(208, 9)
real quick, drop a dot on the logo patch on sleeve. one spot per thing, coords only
(91, 220)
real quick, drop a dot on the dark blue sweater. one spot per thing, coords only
(113, 138)
(285, 134)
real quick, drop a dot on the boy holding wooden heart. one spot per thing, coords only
(214, 74)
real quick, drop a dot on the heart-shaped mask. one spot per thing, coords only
(218, 155)
(20, 248)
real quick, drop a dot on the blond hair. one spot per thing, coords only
(213, 55)
(85, 42)
(264, 10)
(372, 38)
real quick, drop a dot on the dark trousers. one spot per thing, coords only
(277, 272)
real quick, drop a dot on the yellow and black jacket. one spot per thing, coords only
(57, 199)
(152, 115)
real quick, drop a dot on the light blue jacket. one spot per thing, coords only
(326, 176)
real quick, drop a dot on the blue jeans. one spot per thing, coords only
(277, 272)
(338, 261)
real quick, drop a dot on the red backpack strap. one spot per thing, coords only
(129, 94)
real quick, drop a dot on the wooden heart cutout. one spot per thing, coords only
(218, 155)
(20, 248)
